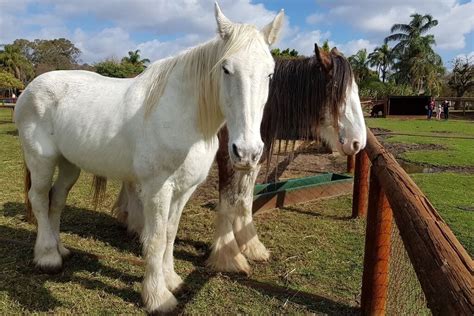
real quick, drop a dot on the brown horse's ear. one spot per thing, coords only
(334, 51)
(317, 52)
(323, 59)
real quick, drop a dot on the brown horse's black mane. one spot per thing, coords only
(303, 92)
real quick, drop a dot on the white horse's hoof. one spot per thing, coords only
(174, 283)
(226, 262)
(256, 251)
(164, 302)
(50, 263)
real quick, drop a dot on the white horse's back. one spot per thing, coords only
(83, 106)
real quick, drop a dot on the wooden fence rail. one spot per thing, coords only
(442, 265)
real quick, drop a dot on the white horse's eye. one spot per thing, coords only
(270, 76)
(226, 71)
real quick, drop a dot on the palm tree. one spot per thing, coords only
(360, 65)
(326, 47)
(382, 59)
(134, 59)
(408, 33)
(416, 63)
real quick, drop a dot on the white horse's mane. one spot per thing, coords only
(202, 66)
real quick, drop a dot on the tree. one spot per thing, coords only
(360, 65)
(14, 62)
(134, 59)
(382, 59)
(411, 32)
(415, 61)
(8, 81)
(54, 54)
(285, 53)
(116, 69)
(326, 47)
(461, 79)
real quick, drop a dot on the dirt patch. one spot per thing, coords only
(398, 149)
(441, 132)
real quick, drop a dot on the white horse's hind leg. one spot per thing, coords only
(244, 228)
(67, 176)
(156, 201)
(129, 209)
(173, 280)
(47, 257)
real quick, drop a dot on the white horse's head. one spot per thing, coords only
(245, 76)
(348, 135)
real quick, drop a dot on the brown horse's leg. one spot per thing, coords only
(225, 253)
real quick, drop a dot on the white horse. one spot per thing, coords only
(157, 130)
(337, 113)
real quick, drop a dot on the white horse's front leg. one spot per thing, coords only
(225, 254)
(173, 280)
(156, 201)
(244, 228)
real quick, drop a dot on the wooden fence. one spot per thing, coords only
(442, 265)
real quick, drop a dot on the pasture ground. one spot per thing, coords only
(316, 263)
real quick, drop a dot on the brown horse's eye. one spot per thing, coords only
(270, 76)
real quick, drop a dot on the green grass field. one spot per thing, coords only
(316, 264)
(460, 152)
(451, 192)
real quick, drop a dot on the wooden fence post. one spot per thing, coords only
(443, 267)
(350, 164)
(377, 251)
(361, 185)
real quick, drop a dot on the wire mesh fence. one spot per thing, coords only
(405, 296)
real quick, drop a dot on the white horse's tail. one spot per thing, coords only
(99, 187)
(128, 208)
(27, 185)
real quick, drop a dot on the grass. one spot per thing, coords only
(460, 152)
(316, 264)
(451, 193)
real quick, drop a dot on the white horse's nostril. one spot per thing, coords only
(355, 146)
(236, 151)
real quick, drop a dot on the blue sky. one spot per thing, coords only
(159, 28)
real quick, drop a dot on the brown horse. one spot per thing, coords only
(310, 98)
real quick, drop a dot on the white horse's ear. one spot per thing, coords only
(272, 30)
(224, 25)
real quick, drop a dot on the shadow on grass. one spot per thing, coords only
(88, 224)
(26, 285)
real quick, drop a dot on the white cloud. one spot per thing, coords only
(315, 18)
(155, 49)
(351, 47)
(108, 43)
(454, 27)
(182, 23)
(179, 24)
(456, 21)
(303, 42)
